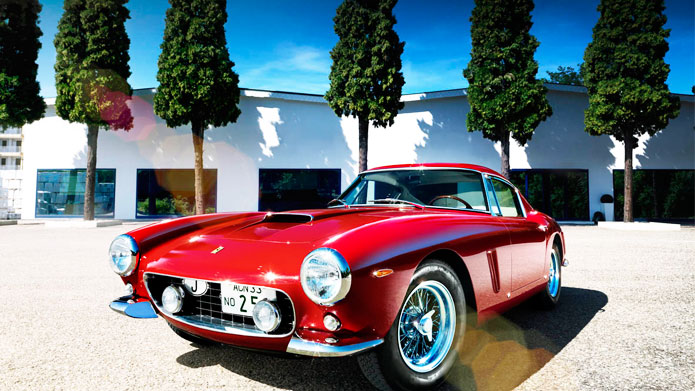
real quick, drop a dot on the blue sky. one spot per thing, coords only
(284, 45)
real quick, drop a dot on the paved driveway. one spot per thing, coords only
(626, 321)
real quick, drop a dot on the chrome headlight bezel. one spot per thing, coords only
(118, 251)
(328, 259)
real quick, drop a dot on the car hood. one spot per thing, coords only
(260, 243)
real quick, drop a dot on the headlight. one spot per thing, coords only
(325, 276)
(124, 255)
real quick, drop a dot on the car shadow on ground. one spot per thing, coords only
(500, 354)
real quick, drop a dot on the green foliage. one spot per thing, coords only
(92, 63)
(625, 73)
(196, 82)
(20, 102)
(503, 92)
(366, 78)
(565, 75)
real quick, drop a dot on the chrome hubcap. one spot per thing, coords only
(554, 275)
(426, 326)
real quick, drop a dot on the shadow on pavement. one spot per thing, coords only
(500, 354)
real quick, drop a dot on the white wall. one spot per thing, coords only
(277, 130)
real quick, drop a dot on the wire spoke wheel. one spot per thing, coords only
(554, 274)
(426, 326)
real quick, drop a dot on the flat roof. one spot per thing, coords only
(317, 98)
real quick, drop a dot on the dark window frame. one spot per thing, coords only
(617, 205)
(151, 217)
(286, 169)
(524, 190)
(73, 216)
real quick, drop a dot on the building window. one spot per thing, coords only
(657, 195)
(562, 194)
(171, 192)
(61, 192)
(18, 162)
(18, 143)
(3, 162)
(287, 189)
(4, 143)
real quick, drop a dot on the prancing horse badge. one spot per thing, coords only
(218, 249)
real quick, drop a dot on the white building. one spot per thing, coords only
(278, 130)
(10, 173)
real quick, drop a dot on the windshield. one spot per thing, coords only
(440, 188)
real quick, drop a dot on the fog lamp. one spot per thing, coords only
(331, 322)
(172, 299)
(266, 316)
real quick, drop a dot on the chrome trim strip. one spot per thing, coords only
(191, 321)
(343, 268)
(316, 349)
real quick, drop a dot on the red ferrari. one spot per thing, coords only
(391, 271)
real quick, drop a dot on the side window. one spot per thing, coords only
(507, 199)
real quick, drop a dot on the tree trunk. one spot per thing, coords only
(198, 132)
(364, 139)
(90, 181)
(505, 155)
(627, 207)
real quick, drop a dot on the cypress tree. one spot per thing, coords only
(20, 102)
(196, 82)
(366, 78)
(504, 94)
(625, 75)
(91, 74)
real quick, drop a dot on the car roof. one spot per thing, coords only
(474, 167)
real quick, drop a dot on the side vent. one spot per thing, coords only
(494, 270)
(296, 218)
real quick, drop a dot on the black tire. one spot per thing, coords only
(192, 338)
(545, 298)
(386, 368)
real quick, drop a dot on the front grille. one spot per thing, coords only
(206, 311)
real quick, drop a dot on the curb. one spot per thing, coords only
(619, 225)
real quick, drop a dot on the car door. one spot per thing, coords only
(527, 238)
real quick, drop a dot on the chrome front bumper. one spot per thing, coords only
(316, 349)
(140, 309)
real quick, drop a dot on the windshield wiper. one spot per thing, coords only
(397, 201)
(339, 201)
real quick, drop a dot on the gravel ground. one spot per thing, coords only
(625, 322)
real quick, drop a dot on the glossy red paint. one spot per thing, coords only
(262, 252)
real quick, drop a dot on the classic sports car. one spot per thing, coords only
(391, 271)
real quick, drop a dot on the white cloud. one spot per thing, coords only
(293, 68)
(434, 75)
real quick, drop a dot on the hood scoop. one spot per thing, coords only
(296, 218)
